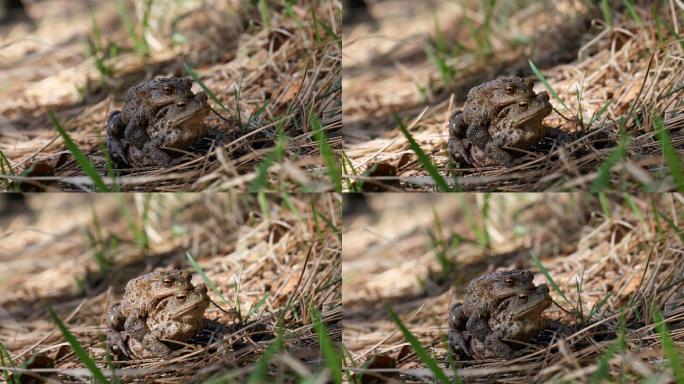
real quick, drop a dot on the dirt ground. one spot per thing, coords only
(617, 74)
(278, 256)
(269, 65)
(610, 255)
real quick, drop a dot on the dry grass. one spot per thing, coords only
(621, 250)
(270, 64)
(260, 255)
(590, 64)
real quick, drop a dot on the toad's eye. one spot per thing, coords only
(522, 296)
(181, 296)
(167, 90)
(167, 281)
(510, 282)
(524, 104)
(181, 104)
(510, 89)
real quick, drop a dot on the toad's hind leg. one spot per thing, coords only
(157, 156)
(457, 148)
(500, 156)
(137, 328)
(501, 349)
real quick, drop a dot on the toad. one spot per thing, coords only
(176, 318)
(517, 126)
(470, 127)
(175, 128)
(141, 297)
(483, 296)
(516, 319)
(142, 103)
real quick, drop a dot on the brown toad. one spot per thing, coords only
(483, 296)
(142, 295)
(517, 318)
(142, 103)
(176, 318)
(517, 126)
(470, 127)
(175, 128)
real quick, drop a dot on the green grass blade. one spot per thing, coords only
(331, 163)
(260, 182)
(672, 225)
(672, 158)
(421, 352)
(422, 157)
(205, 278)
(602, 181)
(669, 348)
(632, 13)
(330, 352)
(262, 6)
(602, 373)
(547, 85)
(6, 361)
(206, 89)
(87, 167)
(78, 349)
(597, 307)
(607, 15)
(327, 221)
(598, 114)
(260, 373)
(548, 277)
(6, 171)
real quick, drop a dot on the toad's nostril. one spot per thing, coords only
(522, 296)
(181, 104)
(524, 104)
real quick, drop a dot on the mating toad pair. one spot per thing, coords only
(159, 121)
(157, 309)
(500, 120)
(501, 312)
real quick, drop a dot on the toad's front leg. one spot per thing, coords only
(458, 339)
(457, 147)
(477, 324)
(115, 133)
(136, 130)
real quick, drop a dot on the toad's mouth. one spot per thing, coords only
(537, 307)
(188, 309)
(194, 115)
(533, 115)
